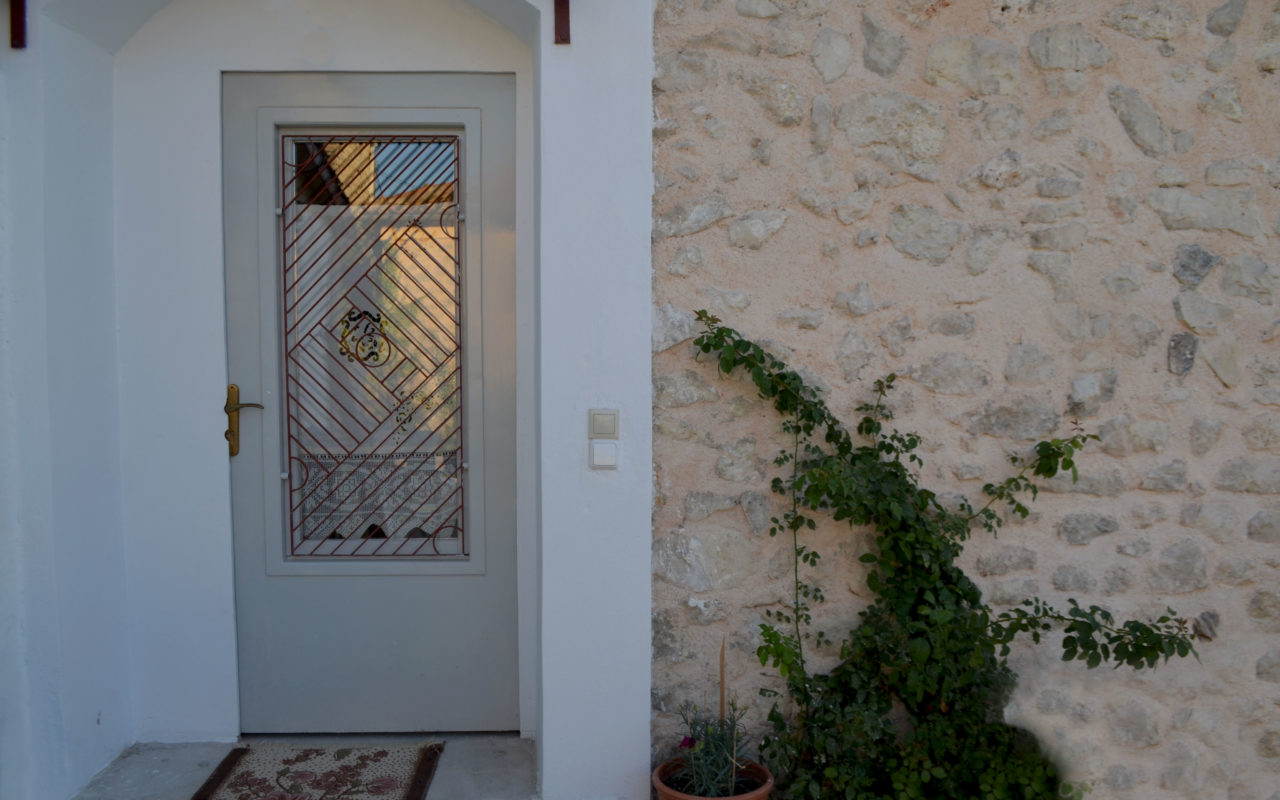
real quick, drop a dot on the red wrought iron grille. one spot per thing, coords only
(372, 313)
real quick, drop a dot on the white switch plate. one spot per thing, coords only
(603, 455)
(602, 423)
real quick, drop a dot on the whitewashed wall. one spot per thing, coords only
(65, 702)
(596, 178)
(149, 319)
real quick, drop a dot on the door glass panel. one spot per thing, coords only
(372, 314)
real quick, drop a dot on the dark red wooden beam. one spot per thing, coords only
(562, 21)
(18, 24)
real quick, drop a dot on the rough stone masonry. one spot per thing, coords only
(1039, 213)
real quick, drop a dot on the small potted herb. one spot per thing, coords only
(711, 761)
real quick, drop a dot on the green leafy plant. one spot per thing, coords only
(914, 707)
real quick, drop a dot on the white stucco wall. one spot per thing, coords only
(66, 707)
(148, 243)
(595, 185)
(88, 542)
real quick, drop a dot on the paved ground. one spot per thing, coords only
(472, 767)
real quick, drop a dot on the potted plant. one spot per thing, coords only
(711, 760)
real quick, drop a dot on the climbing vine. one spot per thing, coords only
(914, 707)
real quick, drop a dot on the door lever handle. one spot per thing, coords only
(232, 410)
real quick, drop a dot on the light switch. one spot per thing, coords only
(602, 423)
(604, 455)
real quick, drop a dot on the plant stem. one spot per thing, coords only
(722, 643)
(795, 548)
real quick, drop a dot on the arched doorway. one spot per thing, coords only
(169, 229)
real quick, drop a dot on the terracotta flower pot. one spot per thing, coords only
(754, 771)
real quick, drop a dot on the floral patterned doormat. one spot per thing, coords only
(267, 771)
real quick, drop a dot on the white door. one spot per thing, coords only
(369, 229)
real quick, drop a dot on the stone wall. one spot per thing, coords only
(1034, 211)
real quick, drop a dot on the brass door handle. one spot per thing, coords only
(232, 410)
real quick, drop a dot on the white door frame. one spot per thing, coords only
(169, 273)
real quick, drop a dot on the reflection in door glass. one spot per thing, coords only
(372, 289)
